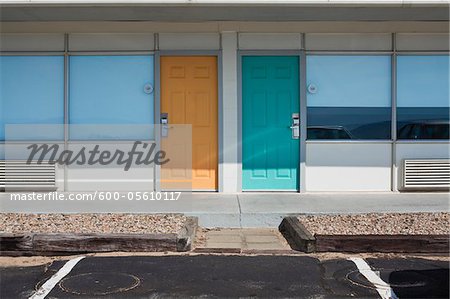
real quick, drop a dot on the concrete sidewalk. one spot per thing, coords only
(241, 210)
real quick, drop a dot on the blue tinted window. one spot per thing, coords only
(349, 97)
(423, 97)
(107, 97)
(32, 93)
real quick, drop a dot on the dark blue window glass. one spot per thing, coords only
(423, 97)
(31, 97)
(349, 97)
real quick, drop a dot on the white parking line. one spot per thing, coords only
(383, 289)
(48, 286)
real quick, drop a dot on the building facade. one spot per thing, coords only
(293, 96)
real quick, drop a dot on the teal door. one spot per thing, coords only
(270, 97)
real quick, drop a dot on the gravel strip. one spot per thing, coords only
(91, 223)
(375, 224)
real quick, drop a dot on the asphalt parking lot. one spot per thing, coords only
(228, 276)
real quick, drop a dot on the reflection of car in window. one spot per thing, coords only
(337, 132)
(438, 129)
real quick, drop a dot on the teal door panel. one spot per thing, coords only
(270, 95)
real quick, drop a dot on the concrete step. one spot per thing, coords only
(235, 220)
(239, 240)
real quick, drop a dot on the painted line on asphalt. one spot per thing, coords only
(48, 286)
(383, 288)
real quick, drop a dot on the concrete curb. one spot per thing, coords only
(246, 251)
(217, 250)
(383, 243)
(299, 238)
(69, 243)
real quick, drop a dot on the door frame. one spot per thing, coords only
(301, 54)
(157, 109)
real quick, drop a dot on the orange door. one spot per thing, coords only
(189, 95)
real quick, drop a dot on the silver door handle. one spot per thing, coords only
(164, 119)
(295, 126)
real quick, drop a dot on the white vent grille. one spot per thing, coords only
(430, 174)
(18, 175)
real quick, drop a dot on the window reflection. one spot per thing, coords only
(358, 123)
(350, 98)
(328, 133)
(423, 97)
(425, 130)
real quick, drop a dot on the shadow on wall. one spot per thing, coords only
(349, 154)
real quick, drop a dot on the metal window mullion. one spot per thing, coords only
(303, 117)
(348, 53)
(66, 105)
(345, 141)
(423, 141)
(189, 52)
(394, 172)
(220, 119)
(424, 52)
(268, 52)
(30, 53)
(157, 111)
(111, 53)
(239, 117)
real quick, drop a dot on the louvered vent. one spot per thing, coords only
(430, 174)
(18, 175)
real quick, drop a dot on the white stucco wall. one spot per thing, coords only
(111, 177)
(230, 140)
(348, 166)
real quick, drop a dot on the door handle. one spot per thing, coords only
(164, 124)
(295, 127)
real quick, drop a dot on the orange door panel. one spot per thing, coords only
(189, 95)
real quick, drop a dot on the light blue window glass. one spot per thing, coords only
(423, 97)
(31, 97)
(349, 97)
(111, 97)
